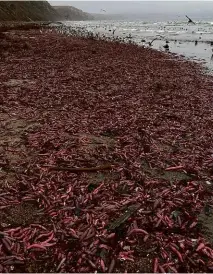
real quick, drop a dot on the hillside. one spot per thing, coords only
(27, 11)
(99, 16)
(70, 13)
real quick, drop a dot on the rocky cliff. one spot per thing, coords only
(27, 11)
(39, 11)
(70, 13)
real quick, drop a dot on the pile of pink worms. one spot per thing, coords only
(88, 103)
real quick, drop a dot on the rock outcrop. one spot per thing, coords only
(27, 11)
(70, 13)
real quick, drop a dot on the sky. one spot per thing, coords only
(140, 7)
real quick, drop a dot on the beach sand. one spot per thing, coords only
(146, 115)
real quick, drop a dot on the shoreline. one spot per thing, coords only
(194, 47)
(82, 103)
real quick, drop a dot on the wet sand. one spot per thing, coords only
(71, 102)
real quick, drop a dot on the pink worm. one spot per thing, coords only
(44, 235)
(137, 231)
(39, 226)
(97, 189)
(200, 246)
(193, 225)
(103, 265)
(161, 269)
(155, 265)
(36, 246)
(173, 269)
(112, 265)
(105, 247)
(177, 252)
(49, 239)
(174, 168)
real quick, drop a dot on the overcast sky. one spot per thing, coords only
(131, 7)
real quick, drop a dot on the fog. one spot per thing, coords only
(174, 8)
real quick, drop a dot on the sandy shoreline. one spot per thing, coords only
(193, 42)
(69, 101)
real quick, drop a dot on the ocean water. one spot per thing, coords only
(194, 42)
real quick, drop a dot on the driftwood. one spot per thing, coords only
(79, 169)
(124, 217)
(156, 38)
(150, 43)
(190, 20)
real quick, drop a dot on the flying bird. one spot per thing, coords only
(190, 20)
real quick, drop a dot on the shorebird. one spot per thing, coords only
(166, 46)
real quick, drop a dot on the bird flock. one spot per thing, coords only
(109, 32)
